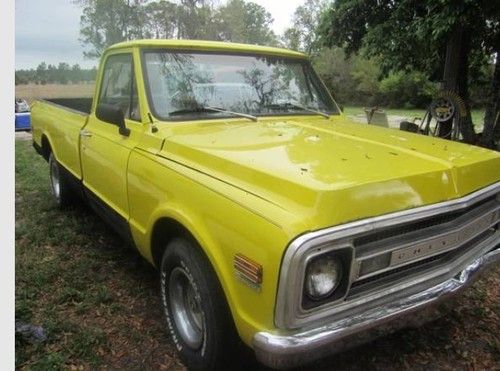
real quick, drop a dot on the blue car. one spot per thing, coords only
(23, 115)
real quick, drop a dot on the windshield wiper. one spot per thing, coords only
(204, 109)
(299, 106)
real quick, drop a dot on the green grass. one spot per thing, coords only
(477, 114)
(78, 281)
(99, 305)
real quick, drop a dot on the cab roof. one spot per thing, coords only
(205, 45)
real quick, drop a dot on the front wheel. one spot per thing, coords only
(197, 314)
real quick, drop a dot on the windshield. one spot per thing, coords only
(183, 85)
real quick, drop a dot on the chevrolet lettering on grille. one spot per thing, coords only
(442, 243)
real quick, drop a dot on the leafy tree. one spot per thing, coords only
(162, 19)
(356, 80)
(195, 20)
(448, 38)
(63, 73)
(41, 72)
(366, 73)
(303, 35)
(20, 79)
(51, 73)
(291, 39)
(245, 22)
(407, 90)
(337, 72)
(76, 73)
(106, 22)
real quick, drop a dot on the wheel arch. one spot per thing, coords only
(46, 147)
(171, 224)
(164, 230)
(174, 223)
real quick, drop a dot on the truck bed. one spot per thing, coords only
(77, 104)
(60, 120)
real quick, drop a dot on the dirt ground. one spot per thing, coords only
(23, 135)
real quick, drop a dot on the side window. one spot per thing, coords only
(118, 86)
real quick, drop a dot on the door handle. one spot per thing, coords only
(85, 133)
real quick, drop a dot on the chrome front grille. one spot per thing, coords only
(362, 243)
(420, 243)
(384, 280)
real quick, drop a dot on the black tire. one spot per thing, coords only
(184, 263)
(59, 185)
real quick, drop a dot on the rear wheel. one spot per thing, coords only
(198, 317)
(59, 185)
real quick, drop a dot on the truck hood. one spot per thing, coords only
(326, 172)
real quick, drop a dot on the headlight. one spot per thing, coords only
(323, 276)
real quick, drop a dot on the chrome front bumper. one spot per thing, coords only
(299, 347)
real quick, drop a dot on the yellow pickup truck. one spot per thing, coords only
(270, 216)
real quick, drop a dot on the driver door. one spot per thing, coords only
(104, 151)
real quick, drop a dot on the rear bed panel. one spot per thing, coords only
(62, 127)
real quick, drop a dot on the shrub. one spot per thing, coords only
(407, 90)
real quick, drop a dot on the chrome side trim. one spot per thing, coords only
(284, 350)
(291, 274)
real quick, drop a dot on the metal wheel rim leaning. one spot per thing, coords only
(186, 308)
(443, 109)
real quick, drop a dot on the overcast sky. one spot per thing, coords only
(48, 30)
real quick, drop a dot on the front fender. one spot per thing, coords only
(222, 226)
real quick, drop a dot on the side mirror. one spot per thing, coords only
(112, 115)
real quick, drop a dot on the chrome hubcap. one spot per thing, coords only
(54, 178)
(186, 308)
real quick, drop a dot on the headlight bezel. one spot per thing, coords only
(291, 309)
(345, 254)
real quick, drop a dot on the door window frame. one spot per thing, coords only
(134, 83)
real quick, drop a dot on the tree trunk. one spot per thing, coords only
(490, 130)
(496, 131)
(455, 79)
